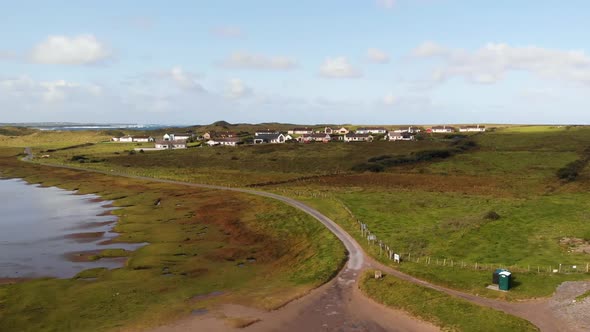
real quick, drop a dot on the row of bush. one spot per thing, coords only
(83, 159)
(571, 171)
(380, 163)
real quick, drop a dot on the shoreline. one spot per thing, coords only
(104, 236)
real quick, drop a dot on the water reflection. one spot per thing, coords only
(42, 229)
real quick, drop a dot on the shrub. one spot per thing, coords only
(571, 171)
(79, 158)
(492, 215)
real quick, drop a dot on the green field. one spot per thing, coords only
(427, 208)
(439, 308)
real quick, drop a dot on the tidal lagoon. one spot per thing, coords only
(47, 232)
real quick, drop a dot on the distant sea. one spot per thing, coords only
(78, 127)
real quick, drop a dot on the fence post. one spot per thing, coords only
(559, 267)
(587, 265)
(476, 265)
(445, 262)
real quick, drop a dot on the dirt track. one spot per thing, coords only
(338, 305)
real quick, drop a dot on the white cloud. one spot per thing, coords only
(228, 32)
(339, 67)
(237, 89)
(492, 62)
(387, 4)
(183, 79)
(46, 92)
(78, 50)
(257, 61)
(377, 56)
(390, 99)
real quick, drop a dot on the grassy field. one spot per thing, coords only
(439, 308)
(240, 166)
(433, 208)
(240, 248)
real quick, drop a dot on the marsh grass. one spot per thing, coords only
(254, 250)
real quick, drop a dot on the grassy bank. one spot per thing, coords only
(450, 313)
(205, 247)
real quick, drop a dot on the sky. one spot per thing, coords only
(320, 61)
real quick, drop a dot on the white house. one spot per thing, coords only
(300, 131)
(371, 130)
(442, 129)
(230, 141)
(342, 131)
(126, 139)
(166, 145)
(269, 138)
(476, 128)
(404, 136)
(410, 129)
(358, 137)
(142, 139)
(318, 137)
(266, 132)
(328, 130)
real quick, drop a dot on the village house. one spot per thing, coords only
(125, 139)
(318, 137)
(300, 131)
(226, 141)
(170, 144)
(441, 129)
(143, 139)
(410, 129)
(328, 131)
(269, 138)
(351, 137)
(342, 131)
(403, 136)
(266, 132)
(476, 128)
(371, 130)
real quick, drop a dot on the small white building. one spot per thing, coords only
(403, 136)
(170, 145)
(266, 132)
(143, 139)
(300, 131)
(126, 139)
(318, 137)
(270, 138)
(410, 129)
(230, 141)
(358, 138)
(442, 129)
(371, 130)
(476, 128)
(342, 131)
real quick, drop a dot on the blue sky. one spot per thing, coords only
(357, 61)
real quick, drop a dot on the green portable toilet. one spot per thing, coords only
(504, 280)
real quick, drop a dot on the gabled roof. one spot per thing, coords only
(159, 141)
(358, 135)
(268, 137)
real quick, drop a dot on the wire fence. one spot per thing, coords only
(395, 255)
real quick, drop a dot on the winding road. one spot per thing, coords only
(339, 305)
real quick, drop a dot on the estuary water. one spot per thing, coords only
(45, 232)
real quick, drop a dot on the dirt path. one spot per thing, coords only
(338, 306)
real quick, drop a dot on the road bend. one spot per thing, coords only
(339, 305)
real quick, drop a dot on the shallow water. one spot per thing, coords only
(40, 227)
